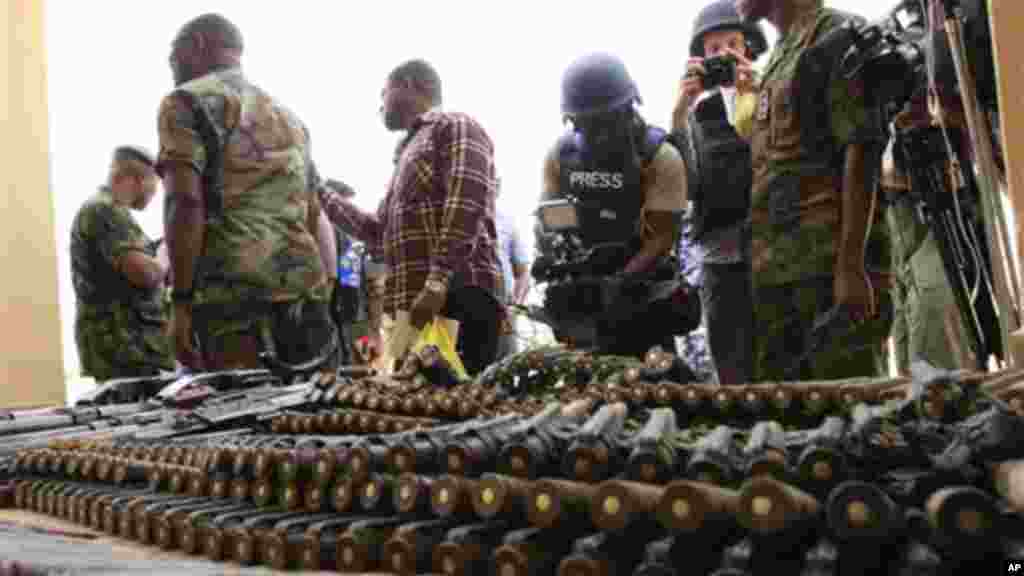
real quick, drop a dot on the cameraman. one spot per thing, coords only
(629, 185)
(719, 177)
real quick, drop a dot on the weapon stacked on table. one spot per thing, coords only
(630, 474)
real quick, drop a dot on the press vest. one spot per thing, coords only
(608, 189)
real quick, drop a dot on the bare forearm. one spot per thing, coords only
(857, 200)
(350, 219)
(661, 228)
(680, 116)
(185, 225)
(648, 255)
(328, 246)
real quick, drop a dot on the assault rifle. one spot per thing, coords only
(925, 158)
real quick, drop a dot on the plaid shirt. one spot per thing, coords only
(437, 220)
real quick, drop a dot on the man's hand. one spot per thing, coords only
(692, 83)
(426, 307)
(184, 348)
(745, 75)
(690, 86)
(852, 290)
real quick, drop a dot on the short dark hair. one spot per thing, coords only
(422, 75)
(215, 27)
(137, 153)
(131, 162)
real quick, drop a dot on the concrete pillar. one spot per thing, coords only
(31, 359)
(1005, 17)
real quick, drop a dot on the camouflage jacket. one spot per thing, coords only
(796, 188)
(260, 188)
(100, 234)
(119, 327)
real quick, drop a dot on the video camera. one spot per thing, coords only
(890, 57)
(563, 255)
(583, 287)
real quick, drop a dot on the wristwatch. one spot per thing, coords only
(435, 286)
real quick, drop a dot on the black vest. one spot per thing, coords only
(718, 164)
(608, 189)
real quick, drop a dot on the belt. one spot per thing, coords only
(891, 197)
(880, 280)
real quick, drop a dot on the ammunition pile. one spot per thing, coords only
(557, 463)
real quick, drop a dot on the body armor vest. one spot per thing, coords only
(718, 165)
(607, 189)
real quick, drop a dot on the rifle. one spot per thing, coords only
(121, 390)
(1007, 291)
(925, 157)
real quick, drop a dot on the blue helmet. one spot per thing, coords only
(596, 83)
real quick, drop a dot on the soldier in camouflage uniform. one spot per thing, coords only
(242, 212)
(118, 276)
(812, 200)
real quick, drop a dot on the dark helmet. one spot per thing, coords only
(722, 15)
(596, 83)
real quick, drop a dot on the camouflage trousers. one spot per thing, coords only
(784, 316)
(928, 325)
(110, 345)
(232, 337)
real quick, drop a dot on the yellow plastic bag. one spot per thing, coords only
(436, 334)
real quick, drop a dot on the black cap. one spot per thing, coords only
(137, 153)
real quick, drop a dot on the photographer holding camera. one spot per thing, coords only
(719, 76)
(722, 50)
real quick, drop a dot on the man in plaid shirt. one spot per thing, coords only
(435, 228)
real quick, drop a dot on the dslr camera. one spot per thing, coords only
(719, 71)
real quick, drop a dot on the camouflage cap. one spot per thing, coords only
(137, 153)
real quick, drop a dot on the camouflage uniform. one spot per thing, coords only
(927, 324)
(795, 218)
(693, 347)
(260, 284)
(120, 330)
